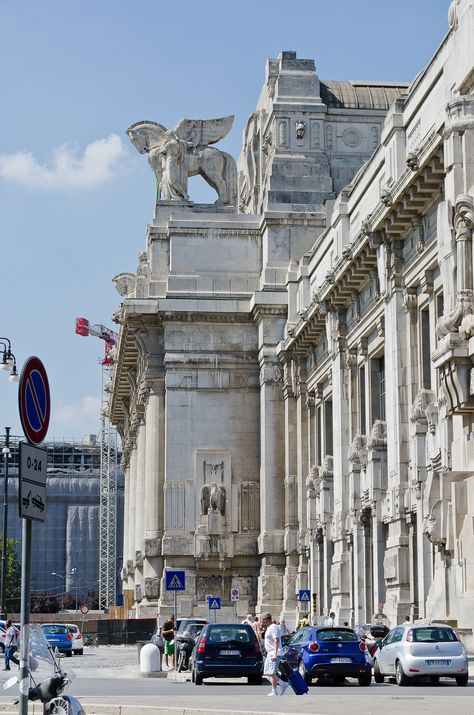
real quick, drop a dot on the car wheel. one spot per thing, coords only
(462, 679)
(79, 652)
(254, 680)
(2, 647)
(378, 677)
(339, 679)
(304, 673)
(198, 679)
(365, 680)
(69, 654)
(400, 676)
(434, 679)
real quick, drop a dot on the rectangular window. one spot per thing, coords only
(319, 427)
(425, 350)
(377, 388)
(328, 444)
(381, 368)
(362, 402)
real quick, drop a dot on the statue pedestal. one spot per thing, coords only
(214, 523)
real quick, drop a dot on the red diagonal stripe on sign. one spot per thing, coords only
(36, 401)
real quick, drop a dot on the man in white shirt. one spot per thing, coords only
(11, 644)
(274, 652)
(330, 621)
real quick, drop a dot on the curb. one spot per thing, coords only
(97, 709)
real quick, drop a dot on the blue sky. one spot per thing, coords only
(75, 197)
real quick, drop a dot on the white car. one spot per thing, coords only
(417, 650)
(77, 639)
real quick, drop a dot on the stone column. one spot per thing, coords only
(132, 510)
(139, 509)
(154, 490)
(302, 468)
(270, 320)
(126, 518)
(290, 603)
(340, 570)
(397, 404)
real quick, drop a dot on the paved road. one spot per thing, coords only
(110, 675)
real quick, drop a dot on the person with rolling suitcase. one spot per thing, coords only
(292, 677)
(274, 652)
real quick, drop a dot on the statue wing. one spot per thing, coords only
(204, 131)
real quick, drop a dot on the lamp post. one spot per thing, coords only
(74, 571)
(6, 455)
(53, 573)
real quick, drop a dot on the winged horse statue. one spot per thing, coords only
(176, 154)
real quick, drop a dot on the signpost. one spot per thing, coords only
(35, 407)
(304, 595)
(214, 605)
(234, 597)
(175, 581)
(32, 495)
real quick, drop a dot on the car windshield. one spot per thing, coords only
(336, 634)
(433, 635)
(229, 634)
(54, 630)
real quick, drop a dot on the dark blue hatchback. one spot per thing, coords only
(338, 653)
(227, 650)
(58, 636)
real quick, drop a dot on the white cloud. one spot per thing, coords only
(75, 419)
(67, 170)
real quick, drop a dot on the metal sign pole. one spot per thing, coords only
(175, 597)
(25, 614)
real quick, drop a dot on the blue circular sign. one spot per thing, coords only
(34, 400)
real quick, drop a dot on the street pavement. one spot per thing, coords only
(107, 682)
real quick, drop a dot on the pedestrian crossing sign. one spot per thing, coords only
(175, 580)
(305, 595)
(214, 603)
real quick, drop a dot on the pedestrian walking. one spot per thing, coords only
(167, 631)
(11, 644)
(274, 652)
(330, 621)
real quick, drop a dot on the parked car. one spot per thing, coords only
(58, 636)
(227, 650)
(77, 639)
(421, 650)
(183, 623)
(322, 652)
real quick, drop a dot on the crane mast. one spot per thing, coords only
(108, 470)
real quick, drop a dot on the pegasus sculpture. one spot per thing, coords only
(183, 152)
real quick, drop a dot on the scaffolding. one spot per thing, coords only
(108, 501)
(108, 470)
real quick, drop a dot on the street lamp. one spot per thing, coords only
(8, 359)
(53, 573)
(6, 454)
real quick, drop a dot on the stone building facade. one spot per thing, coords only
(293, 375)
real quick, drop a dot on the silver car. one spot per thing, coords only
(421, 650)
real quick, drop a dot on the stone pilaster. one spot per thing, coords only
(154, 465)
(139, 509)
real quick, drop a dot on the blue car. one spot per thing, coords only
(58, 636)
(321, 652)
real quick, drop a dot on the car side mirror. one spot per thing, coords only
(379, 644)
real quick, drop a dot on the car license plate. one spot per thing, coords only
(341, 660)
(438, 662)
(229, 652)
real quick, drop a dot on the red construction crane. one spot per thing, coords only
(83, 327)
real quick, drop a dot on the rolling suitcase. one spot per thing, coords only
(293, 677)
